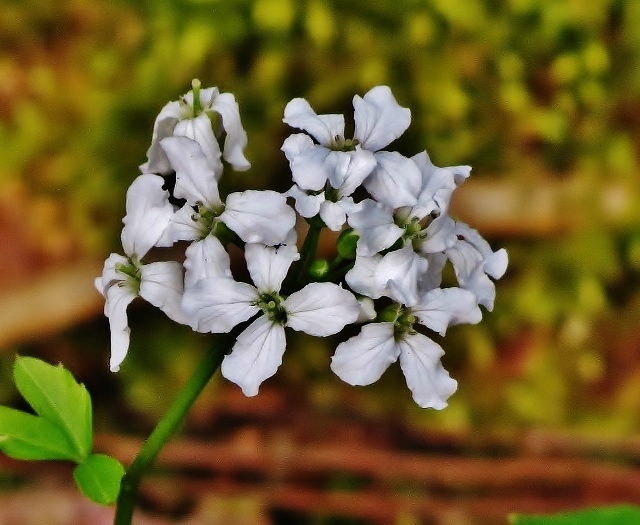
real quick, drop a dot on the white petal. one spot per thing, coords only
(374, 223)
(396, 181)
(206, 258)
(428, 381)
(217, 304)
(438, 185)
(259, 216)
(324, 128)
(432, 278)
(256, 355)
(196, 179)
(362, 277)
(349, 169)
(163, 127)
(306, 205)
(379, 118)
(199, 130)
(115, 308)
(440, 235)
(268, 266)
(321, 309)
(311, 169)
(183, 227)
(148, 215)
(161, 284)
(439, 308)
(236, 140)
(296, 144)
(333, 215)
(362, 359)
(495, 263)
(398, 273)
(110, 275)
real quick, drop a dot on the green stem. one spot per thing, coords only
(297, 279)
(166, 428)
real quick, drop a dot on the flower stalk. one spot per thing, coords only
(166, 428)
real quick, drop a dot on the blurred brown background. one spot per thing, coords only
(539, 96)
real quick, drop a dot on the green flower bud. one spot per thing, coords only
(347, 244)
(318, 269)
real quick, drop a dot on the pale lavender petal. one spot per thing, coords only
(362, 359)
(321, 309)
(256, 355)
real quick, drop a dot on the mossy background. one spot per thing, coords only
(531, 93)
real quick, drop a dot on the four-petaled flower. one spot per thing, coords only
(219, 304)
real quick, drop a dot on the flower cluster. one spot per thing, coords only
(397, 238)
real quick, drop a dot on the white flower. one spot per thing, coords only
(219, 304)
(346, 163)
(255, 216)
(126, 277)
(192, 117)
(362, 359)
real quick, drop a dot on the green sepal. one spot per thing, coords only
(57, 397)
(28, 437)
(99, 477)
(347, 242)
(618, 515)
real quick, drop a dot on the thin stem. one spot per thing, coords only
(166, 428)
(307, 254)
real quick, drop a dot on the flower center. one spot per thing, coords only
(339, 143)
(207, 219)
(271, 304)
(132, 274)
(401, 317)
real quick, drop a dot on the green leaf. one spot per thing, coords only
(98, 478)
(58, 398)
(25, 436)
(619, 515)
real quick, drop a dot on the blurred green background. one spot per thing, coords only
(541, 97)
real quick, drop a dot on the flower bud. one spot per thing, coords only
(347, 244)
